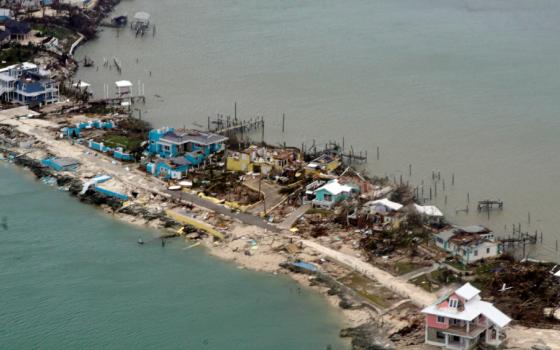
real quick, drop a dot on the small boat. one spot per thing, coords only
(140, 241)
(174, 188)
(119, 21)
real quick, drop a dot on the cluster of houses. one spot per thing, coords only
(27, 84)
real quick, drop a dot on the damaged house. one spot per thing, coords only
(469, 244)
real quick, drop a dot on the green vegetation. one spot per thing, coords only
(425, 283)
(58, 32)
(404, 267)
(368, 289)
(16, 54)
(121, 141)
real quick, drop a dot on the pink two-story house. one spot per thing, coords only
(460, 320)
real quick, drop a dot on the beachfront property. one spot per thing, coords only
(169, 142)
(469, 244)
(61, 164)
(178, 151)
(460, 320)
(263, 160)
(27, 84)
(326, 164)
(332, 193)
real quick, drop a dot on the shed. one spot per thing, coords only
(62, 164)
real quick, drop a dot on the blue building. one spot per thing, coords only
(169, 143)
(174, 168)
(61, 164)
(26, 84)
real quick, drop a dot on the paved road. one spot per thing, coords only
(271, 194)
(245, 218)
(293, 217)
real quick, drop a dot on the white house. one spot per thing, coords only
(469, 243)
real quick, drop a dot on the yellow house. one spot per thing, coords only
(262, 160)
(324, 164)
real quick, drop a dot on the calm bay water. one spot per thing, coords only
(460, 86)
(72, 278)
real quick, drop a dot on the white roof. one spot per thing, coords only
(473, 308)
(557, 274)
(429, 210)
(142, 16)
(334, 187)
(123, 83)
(387, 203)
(467, 291)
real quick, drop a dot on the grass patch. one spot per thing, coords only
(121, 141)
(425, 283)
(404, 267)
(368, 289)
(58, 32)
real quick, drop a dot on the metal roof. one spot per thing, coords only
(467, 291)
(65, 161)
(201, 138)
(445, 235)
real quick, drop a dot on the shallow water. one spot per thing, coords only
(73, 278)
(460, 86)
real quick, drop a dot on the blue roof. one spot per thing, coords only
(305, 266)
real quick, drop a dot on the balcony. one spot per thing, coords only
(474, 330)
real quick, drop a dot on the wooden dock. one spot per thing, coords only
(490, 204)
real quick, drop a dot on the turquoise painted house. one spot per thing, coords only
(332, 193)
(169, 143)
(175, 168)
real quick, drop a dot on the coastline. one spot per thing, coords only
(267, 257)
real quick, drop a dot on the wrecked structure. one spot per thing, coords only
(264, 160)
(469, 244)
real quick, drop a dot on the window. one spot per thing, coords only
(476, 252)
(441, 319)
(440, 335)
(487, 250)
(327, 197)
(166, 147)
(453, 303)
